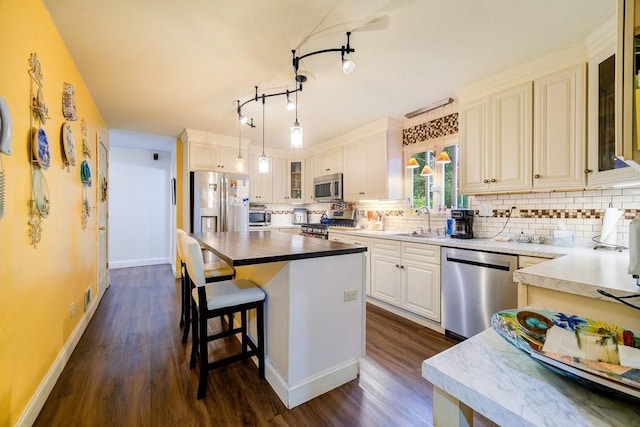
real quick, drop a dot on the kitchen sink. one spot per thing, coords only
(420, 235)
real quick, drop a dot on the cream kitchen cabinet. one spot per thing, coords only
(205, 156)
(495, 142)
(375, 167)
(329, 162)
(309, 170)
(360, 241)
(407, 275)
(287, 180)
(559, 146)
(260, 184)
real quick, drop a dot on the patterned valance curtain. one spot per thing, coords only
(438, 128)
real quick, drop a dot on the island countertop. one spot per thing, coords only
(260, 247)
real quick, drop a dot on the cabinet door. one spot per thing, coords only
(421, 288)
(309, 174)
(227, 160)
(512, 138)
(374, 168)
(559, 121)
(475, 149)
(353, 179)
(385, 271)
(295, 180)
(203, 156)
(280, 178)
(329, 162)
(260, 186)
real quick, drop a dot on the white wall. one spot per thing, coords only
(140, 210)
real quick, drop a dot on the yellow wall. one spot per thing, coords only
(37, 285)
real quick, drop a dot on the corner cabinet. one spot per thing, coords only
(559, 159)
(374, 167)
(495, 142)
(210, 152)
(407, 275)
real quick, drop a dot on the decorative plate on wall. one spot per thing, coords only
(41, 198)
(40, 148)
(68, 144)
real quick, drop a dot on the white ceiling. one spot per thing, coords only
(159, 66)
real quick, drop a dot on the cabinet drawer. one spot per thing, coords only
(421, 252)
(389, 247)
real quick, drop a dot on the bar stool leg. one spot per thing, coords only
(260, 313)
(187, 311)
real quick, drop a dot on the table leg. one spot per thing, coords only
(449, 411)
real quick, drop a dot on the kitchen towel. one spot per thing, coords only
(610, 226)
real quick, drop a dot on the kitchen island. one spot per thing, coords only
(315, 310)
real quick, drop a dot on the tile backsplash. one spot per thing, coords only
(539, 213)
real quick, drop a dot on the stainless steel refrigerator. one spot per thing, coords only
(219, 202)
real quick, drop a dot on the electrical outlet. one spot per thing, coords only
(350, 294)
(87, 298)
(515, 210)
(72, 309)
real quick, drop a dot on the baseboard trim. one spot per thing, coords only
(34, 406)
(407, 315)
(314, 386)
(138, 262)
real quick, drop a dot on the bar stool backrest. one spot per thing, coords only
(193, 260)
(179, 233)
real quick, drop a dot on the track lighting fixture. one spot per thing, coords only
(347, 65)
(290, 104)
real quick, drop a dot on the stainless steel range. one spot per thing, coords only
(333, 217)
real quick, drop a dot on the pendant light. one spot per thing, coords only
(426, 171)
(263, 161)
(412, 163)
(296, 130)
(239, 160)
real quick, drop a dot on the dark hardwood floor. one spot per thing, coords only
(131, 369)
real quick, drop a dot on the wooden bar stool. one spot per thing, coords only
(213, 272)
(211, 300)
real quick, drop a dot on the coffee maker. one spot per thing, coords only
(463, 223)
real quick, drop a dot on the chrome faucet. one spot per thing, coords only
(426, 210)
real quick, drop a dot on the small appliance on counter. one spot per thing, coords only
(299, 216)
(259, 215)
(463, 223)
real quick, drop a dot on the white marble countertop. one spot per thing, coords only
(578, 270)
(505, 385)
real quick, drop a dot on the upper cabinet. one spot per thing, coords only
(309, 174)
(373, 167)
(559, 129)
(210, 152)
(287, 180)
(495, 142)
(329, 162)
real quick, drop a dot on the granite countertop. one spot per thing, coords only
(505, 385)
(259, 247)
(579, 270)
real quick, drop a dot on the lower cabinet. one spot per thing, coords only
(407, 275)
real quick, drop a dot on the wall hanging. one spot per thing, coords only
(68, 146)
(38, 106)
(85, 175)
(86, 151)
(69, 102)
(5, 146)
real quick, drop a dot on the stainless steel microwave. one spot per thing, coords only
(259, 217)
(328, 188)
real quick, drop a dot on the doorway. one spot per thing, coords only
(103, 193)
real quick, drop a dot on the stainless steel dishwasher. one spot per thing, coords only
(475, 285)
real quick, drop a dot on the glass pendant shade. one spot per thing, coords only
(426, 171)
(239, 164)
(443, 157)
(348, 66)
(263, 164)
(412, 163)
(296, 135)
